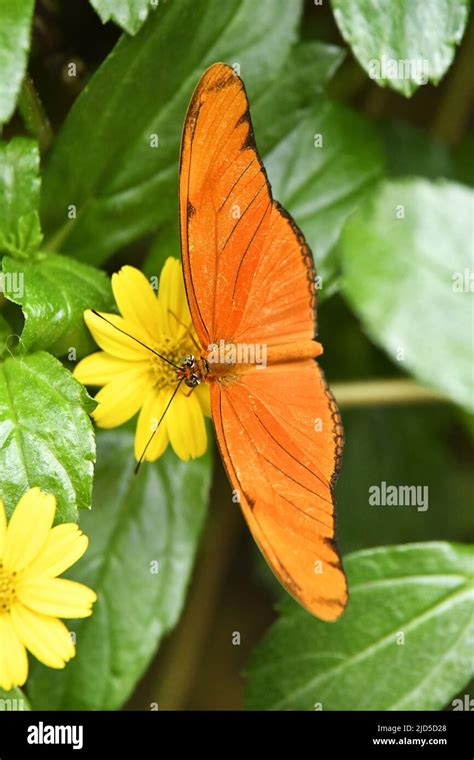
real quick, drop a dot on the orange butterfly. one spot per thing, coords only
(250, 283)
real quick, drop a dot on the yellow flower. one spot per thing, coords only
(134, 379)
(32, 598)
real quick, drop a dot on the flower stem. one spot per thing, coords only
(382, 392)
(34, 115)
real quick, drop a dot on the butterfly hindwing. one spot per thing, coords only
(280, 439)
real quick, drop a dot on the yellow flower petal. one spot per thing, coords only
(64, 546)
(101, 368)
(136, 300)
(203, 393)
(57, 596)
(114, 341)
(13, 659)
(122, 398)
(186, 427)
(3, 527)
(28, 528)
(47, 638)
(172, 299)
(153, 408)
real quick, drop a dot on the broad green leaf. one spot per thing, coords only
(403, 44)
(404, 642)
(54, 292)
(143, 535)
(129, 14)
(406, 257)
(279, 108)
(167, 243)
(46, 437)
(322, 170)
(13, 700)
(121, 186)
(15, 26)
(410, 151)
(20, 232)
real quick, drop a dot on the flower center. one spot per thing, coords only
(7, 589)
(175, 351)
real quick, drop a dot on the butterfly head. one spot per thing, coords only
(192, 371)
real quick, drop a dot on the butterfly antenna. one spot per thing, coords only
(160, 356)
(178, 320)
(157, 426)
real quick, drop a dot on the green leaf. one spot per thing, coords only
(406, 255)
(46, 437)
(20, 232)
(13, 700)
(321, 186)
(129, 14)
(167, 243)
(121, 186)
(278, 109)
(404, 642)
(154, 517)
(402, 44)
(53, 292)
(15, 25)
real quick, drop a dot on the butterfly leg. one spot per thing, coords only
(188, 329)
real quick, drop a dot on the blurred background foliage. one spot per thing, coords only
(302, 79)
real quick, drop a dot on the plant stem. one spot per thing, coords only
(382, 392)
(34, 115)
